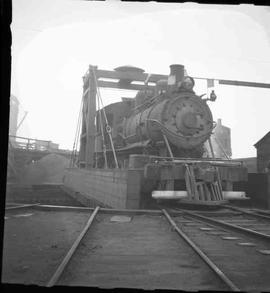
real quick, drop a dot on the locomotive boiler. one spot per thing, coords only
(169, 120)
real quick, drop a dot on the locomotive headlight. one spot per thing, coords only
(188, 83)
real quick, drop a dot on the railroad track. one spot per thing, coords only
(262, 212)
(238, 255)
(239, 261)
(255, 213)
(59, 271)
(249, 223)
(57, 277)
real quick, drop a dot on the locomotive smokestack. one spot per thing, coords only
(176, 76)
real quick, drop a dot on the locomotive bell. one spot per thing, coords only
(176, 76)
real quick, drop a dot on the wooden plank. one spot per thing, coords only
(188, 181)
(193, 182)
(200, 190)
(68, 256)
(207, 192)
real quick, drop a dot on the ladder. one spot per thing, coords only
(200, 190)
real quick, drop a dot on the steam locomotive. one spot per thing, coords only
(169, 120)
(155, 140)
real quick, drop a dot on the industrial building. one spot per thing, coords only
(263, 153)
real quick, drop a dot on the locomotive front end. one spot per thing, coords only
(186, 121)
(174, 113)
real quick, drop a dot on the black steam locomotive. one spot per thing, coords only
(169, 120)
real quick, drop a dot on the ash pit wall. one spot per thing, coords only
(114, 188)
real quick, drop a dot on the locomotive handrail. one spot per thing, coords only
(201, 160)
(170, 132)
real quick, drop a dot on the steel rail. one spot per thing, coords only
(104, 210)
(203, 256)
(22, 206)
(227, 226)
(261, 212)
(70, 253)
(264, 217)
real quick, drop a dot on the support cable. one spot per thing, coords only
(74, 148)
(103, 136)
(108, 128)
(78, 135)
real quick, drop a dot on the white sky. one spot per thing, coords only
(55, 41)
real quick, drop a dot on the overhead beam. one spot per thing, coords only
(136, 87)
(141, 77)
(135, 76)
(244, 83)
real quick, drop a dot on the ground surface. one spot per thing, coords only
(142, 253)
(52, 194)
(35, 241)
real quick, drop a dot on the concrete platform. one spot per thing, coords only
(114, 188)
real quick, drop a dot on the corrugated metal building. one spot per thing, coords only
(263, 153)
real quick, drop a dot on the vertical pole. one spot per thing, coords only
(91, 115)
(83, 131)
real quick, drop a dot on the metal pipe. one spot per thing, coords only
(217, 163)
(201, 159)
(167, 145)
